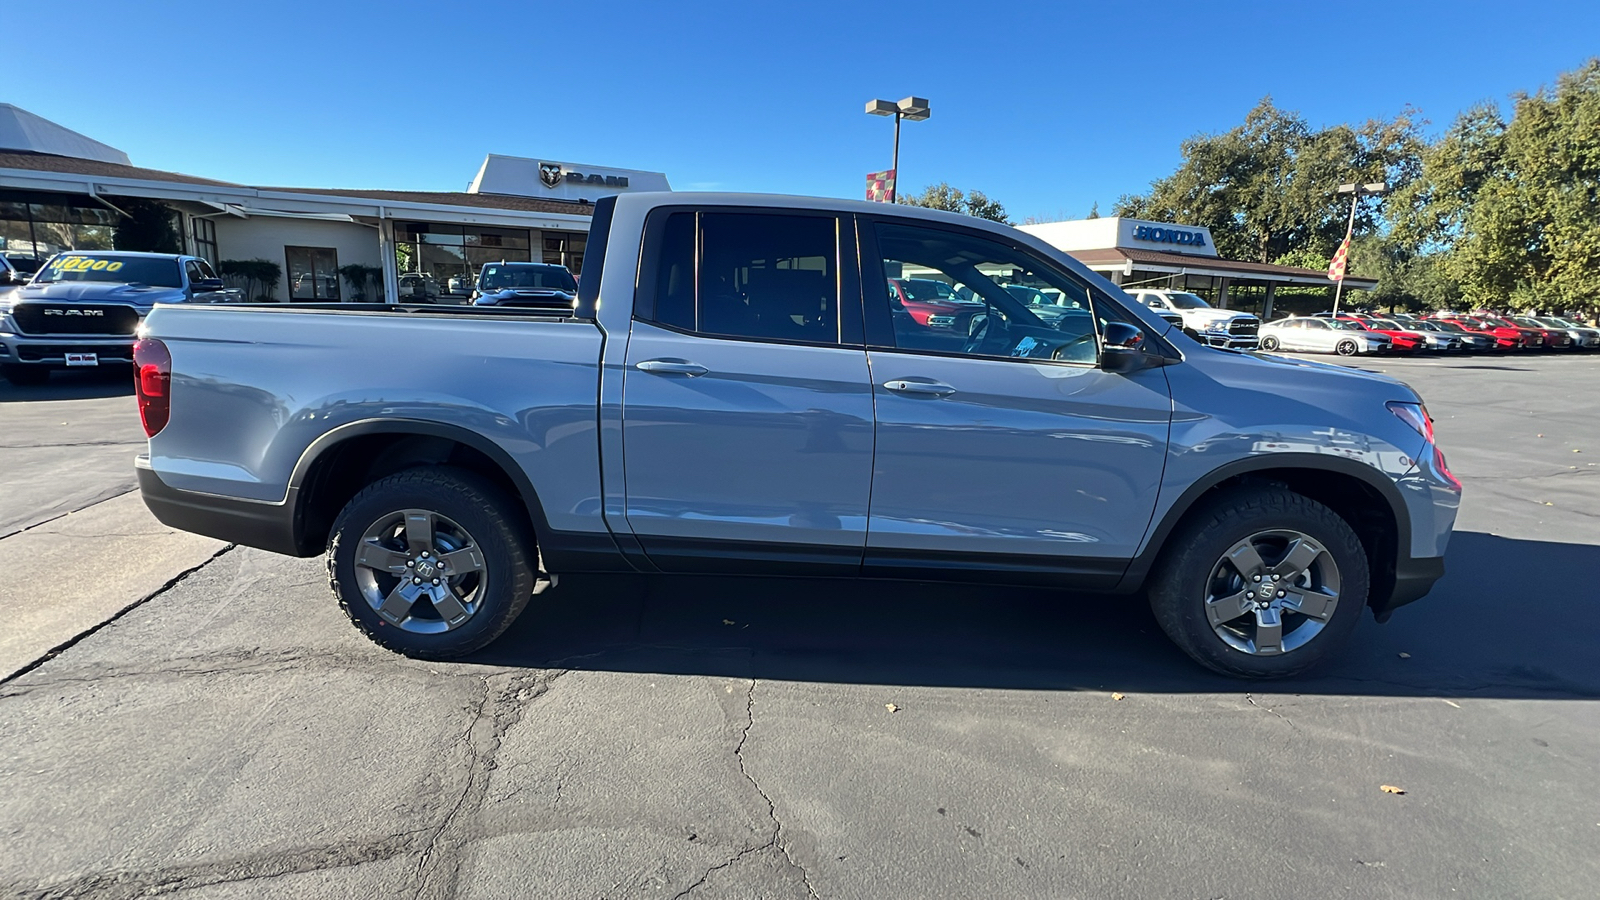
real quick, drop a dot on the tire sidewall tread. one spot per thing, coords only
(1177, 587)
(479, 508)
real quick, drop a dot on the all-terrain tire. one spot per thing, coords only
(496, 527)
(1194, 553)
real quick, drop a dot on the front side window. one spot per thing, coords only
(748, 275)
(1004, 303)
(152, 271)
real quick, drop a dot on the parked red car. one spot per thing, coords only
(1549, 339)
(1507, 336)
(1554, 338)
(1404, 341)
(931, 304)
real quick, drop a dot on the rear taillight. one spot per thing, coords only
(1415, 415)
(152, 380)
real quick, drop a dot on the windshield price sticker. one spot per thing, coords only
(83, 264)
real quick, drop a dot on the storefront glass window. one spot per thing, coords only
(451, 255)
(313, 273)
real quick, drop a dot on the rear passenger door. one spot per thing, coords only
(747, 403)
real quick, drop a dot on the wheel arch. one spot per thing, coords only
(1363, 496)
(341, 462)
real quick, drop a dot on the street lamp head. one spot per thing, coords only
(1347, 189)
(881, 108)
(914, 108)
(1376, 187)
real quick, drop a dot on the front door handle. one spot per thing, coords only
(928, 388)
(671, 367)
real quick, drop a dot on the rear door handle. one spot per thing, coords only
(929, 388)
(671, 367)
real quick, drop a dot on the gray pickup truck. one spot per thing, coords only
(732, 391)
(82, 308)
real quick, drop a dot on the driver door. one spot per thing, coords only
(1010, 447)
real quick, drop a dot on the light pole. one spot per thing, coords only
(1356, 192)
(913, 108)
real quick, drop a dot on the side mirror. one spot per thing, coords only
(1123, 349)
(7, 276)
(207, 285)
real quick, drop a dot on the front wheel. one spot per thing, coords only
(431, 562)
(1346, 348)
(1269, 343)
(1262, 583)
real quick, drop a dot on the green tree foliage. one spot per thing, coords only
(148, 227)
(972, 203)
(1496, 211)
(1266, 188)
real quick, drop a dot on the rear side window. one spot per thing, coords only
(746, 275)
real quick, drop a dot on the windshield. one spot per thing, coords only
(927, 289)
(500, 277)
(1386, 325)
(1498, 323)
(1345, 326)
(1527, 322)
(1449, 326)
(153, 271)
(1186, 301)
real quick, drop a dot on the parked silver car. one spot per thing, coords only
(1320, 335)
(1583, 337)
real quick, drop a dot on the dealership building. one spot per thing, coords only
(59, 190)
(1136, 253)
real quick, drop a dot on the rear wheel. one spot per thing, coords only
(1262, 583)
(431, 562)
(25, 375)
(1269, 343)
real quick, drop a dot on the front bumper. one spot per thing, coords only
(1229, 341)
(52, 350)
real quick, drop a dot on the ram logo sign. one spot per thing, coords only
(74, 312)
(551, 175)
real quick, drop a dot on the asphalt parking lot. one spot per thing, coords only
(228, 734)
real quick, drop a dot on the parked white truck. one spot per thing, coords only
(1216, 327)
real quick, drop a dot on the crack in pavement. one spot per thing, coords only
(62, 515)
(235, 662)
(1252, 701)
(273, 864)
(774, 842)
(439, 863)
(71, 642)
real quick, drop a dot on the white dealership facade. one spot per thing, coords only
(58, 191)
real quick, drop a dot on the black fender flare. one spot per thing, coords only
(420, 427)
(1133, 578)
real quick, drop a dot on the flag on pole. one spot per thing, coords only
(1336, 268)
(880, 186)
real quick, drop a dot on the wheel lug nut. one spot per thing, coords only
(1255, 577)
(1281, 593)
(424, 554)
(1251, 595)
(436, 581)
(416, 581)
(410, 563)
(1274, 578)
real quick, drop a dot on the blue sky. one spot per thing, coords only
(1047, 107)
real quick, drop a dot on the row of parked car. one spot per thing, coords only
(1350, 334)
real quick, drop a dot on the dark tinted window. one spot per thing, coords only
(675, 273)
(769, 276)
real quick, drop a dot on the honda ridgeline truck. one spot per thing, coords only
(82, 307)
(732, 391)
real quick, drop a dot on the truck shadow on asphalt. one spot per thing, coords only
(1512, 619)
(109, 381)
